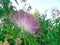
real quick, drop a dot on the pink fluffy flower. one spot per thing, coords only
(26, 22)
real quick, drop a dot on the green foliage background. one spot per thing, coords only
(49, 33)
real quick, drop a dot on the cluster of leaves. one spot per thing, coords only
(49, 33)
(49, 30)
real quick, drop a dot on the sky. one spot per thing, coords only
(41, 5)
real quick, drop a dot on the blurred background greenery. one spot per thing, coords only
(10, 35)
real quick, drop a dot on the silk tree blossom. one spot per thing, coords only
(26, 22)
